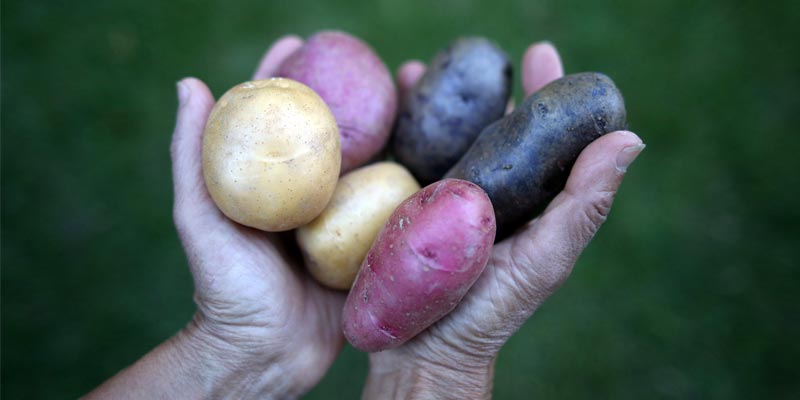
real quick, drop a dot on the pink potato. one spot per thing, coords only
(356, 86)
(429, 253)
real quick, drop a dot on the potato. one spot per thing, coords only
(429, 253)
(335, 243)
(465, 88)
(523, 160)
(271, 154)
(355, 84)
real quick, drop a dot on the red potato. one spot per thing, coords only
(355, 84)
(429, 253)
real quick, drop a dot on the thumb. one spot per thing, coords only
(545, 251)
(582, 207)
(276, 55)
(186, 150)
(528, 267)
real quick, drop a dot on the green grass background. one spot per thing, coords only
(689, 290)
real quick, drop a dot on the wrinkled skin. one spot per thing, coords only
(264, 329)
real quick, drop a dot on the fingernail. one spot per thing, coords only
(183, 93)
(510, 106)
(545, 42)
(626, 156)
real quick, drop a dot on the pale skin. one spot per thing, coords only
(264, 329)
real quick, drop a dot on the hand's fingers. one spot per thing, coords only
(195, 103)
(541, 65)
(275, 56)
(510, 106)
(408, 74)
(582, 207)
(528, 267)
(540, 257)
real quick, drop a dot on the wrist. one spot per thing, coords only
(225, 370)
(193, 364)
(392, 377)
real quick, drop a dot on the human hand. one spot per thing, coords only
(263, 327)
(254, 301)
(454, 358)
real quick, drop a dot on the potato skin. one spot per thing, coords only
(336, 242)
(355, 84)
(465, 88)
(523, 160)
(430, 252)
(271, 154)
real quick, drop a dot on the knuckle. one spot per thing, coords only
(465, 347)
(595, 214)
(524, 278)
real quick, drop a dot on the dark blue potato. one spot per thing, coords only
(523, 160)
(465, 88)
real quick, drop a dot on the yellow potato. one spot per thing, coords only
(336, 242)
(271, 154)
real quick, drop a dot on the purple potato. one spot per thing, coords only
(465, 88)
(523, 160)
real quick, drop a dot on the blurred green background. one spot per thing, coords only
(689, 290)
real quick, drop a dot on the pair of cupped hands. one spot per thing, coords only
(265, 329)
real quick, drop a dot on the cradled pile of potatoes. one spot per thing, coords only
(274, 150)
